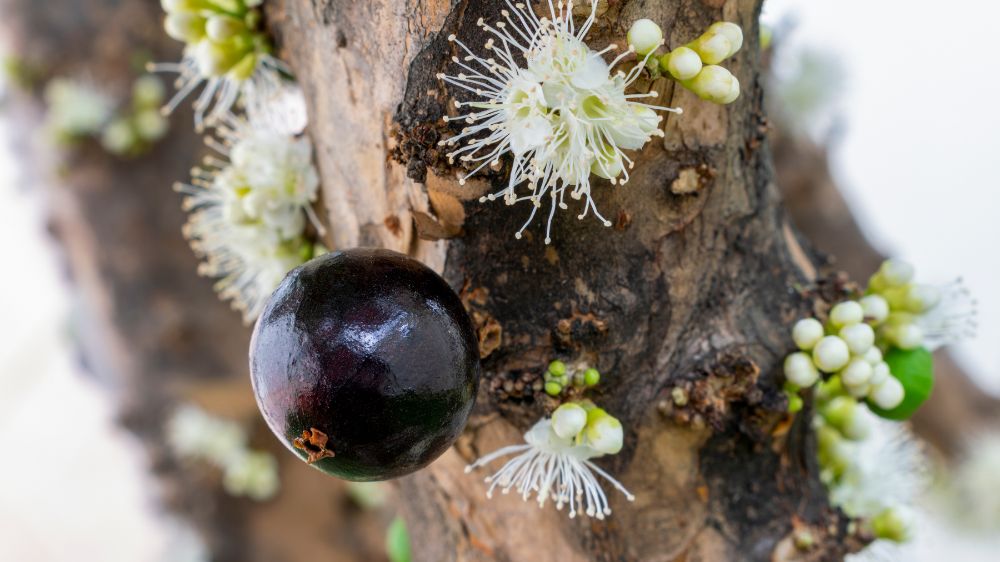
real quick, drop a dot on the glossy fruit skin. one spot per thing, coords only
(374, 350)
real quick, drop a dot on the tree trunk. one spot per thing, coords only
(690, 295)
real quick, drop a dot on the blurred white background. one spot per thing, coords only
(917, 159)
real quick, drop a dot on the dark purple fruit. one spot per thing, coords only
(365, 364)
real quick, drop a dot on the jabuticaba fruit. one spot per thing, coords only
(365, 364)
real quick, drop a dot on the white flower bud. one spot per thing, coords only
(683, 63)
(713, 48)
(858, 391)
(876, 308)
(859, 425)
(807, 332)
(730, 31)
(880, 373)
(568, 420)
(889, 394)
(605, 434)
(185, 27)
(896, 272)
(847, 313)
(221, 28)
(873, 355)
(800, 370)
(908, 336)
(831, 354)
(857, 373)
(921, 298)
(713, 83)
(858, 337)
(645, 36)
(734, 92)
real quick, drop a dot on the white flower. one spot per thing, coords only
(192, 432)
(949, 317)
(888, 469)
(76, 108)
(561, 113)
(249, 212)
(553, 467)
(225, 51)
(253, 474)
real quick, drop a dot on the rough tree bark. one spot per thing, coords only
(690, 295)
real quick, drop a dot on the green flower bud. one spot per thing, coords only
(150, 124)
(890, 526)
(713, 48)
(557, 368)
(553, 388)
(182, 26)
(714, 84)
(732, 32)
(147, 91)
(591, 377)
(604, 432)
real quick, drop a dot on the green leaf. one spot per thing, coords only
(915, 369)
(397, 541)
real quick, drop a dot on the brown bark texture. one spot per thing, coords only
(689, 295)
(684, 305)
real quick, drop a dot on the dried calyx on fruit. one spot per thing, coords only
(365, 364)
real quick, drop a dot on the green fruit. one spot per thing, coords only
(914, 368)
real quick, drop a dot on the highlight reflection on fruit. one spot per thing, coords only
(365, 364)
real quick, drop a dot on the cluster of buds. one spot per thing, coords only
(137, 127)
(225, 47)
(845, 350)
(910, 315)
(560, 376)
(696, 65)
(195, 434)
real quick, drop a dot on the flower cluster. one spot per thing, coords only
(555, 461)
(225, 49)
(193, 433)
(910, 315)
(76, 109)
(249, 211)
(876, 347)
(696, 65)
(844, 349)
(554, 104)
(133, 130)
(578, 375)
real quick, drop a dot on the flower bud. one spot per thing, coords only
(713, 83)
(831, 354)
(876, 308)
(873, 356)
(682, 63)
(880, 373)
(645, 36)
(839, 411)
(889, 525)
(552, 388)
(568, 420)
(734, 92)
(713, 48)
(220, 28)
(147, 91)
(557, 368)
(591, 377)
(889, 394)
(921, 298)
(150, 124)
(859, 425)
(907, 336)
(730, 31)
(806, 333)
(896, 272)
(847, 313)
(857, 373)
(800, 370)
(212, 59)
(858, 337)
(604, 432)
(182, 26)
